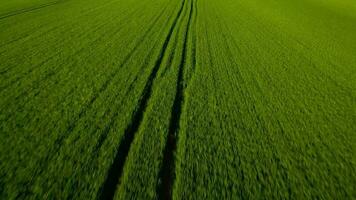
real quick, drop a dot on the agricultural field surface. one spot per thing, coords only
(177, 99)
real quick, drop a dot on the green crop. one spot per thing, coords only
(177, 99)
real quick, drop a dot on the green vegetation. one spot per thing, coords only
(181, 99)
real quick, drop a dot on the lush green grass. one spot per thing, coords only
(274, 98)
(182, 99)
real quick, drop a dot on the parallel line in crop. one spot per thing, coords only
(167, 170)
(188, 79)
(50, 25)
(115, 171)
(60, 67)
(319, 68)
(46, 51)
(89, 55)
(114, 73)
(145, 142)
(103, 136)
(113, 116)
(65, 90)
(53, 57)
(131, 85)
(25, 10)
(59, 141)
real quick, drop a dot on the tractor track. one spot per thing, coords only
(167, 170)
(114, 173)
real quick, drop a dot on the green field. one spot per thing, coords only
(177, 99)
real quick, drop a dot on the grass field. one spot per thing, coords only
(177, 99)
